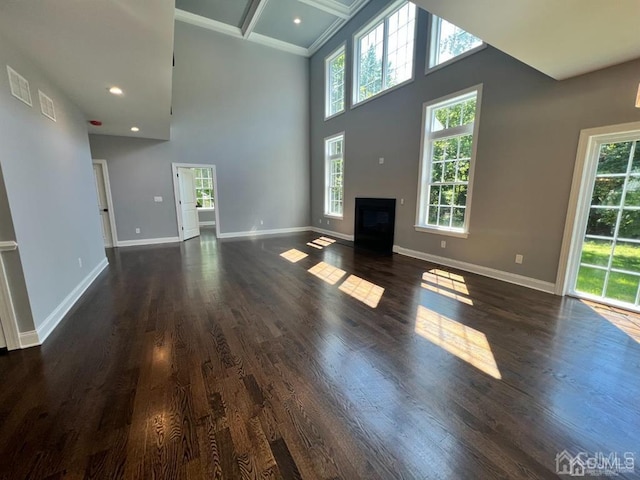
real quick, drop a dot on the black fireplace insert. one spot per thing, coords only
(375, 223)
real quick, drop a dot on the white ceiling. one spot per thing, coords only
(86, 46)
(561, 38)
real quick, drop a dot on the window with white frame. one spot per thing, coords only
(384, 51)
(335, 81)
(450, 135)
(449, 42)
(204, 188)
(334, 175)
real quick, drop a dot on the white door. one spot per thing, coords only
(103, 208)
(608, 269)
(3, 341)
(188, 211)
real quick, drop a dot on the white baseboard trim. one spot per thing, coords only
(508, 277)
(209, 223)
(29, 339)
(260, 233)
(147, 241)
(55, 317)
(343, 236)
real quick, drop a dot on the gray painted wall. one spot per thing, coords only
(237, 105)
(529, 129)
(50, 189)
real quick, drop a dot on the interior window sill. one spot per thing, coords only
(441, 231)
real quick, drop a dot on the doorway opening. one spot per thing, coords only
(604, 259)
(196, 195)
(105, 203)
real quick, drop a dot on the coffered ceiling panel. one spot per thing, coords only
(296, 26)
(277, 21)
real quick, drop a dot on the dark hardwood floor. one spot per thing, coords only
(224, 359)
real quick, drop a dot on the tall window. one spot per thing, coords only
(449, 42)
(204, 188)
(334, 75)
(450, 134)
(384, 51)
(334, 175)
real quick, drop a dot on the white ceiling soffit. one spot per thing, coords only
(87, 46)
(561, 38)
(270, 22)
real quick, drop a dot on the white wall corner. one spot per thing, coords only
(29, 339)
(508, 277)
(55, 317)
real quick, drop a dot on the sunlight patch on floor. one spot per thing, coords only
(327, 239)
(447, 284)
(322, 243)
(628, 322)
(314, 245)
(293, 255)
(464, 342)
(326, 272)
(360, 289)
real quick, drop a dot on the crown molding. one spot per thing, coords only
(204, 22)
(326, 36)
(278, 44)
(336, 9)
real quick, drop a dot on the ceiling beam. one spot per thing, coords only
(253, 15)
(330, 6)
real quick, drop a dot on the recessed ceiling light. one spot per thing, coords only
(115, 90)
(297, 21)
(135, 129)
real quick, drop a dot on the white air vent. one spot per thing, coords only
(46, 105)
(19, 86)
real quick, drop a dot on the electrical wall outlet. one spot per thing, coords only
(157, 199)
(402, 201)
(519, 258)
(261, 222)
(79, 262)
(137, 230)
(443, 244)
(319, 220)
(381, 160)
(327, 222)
